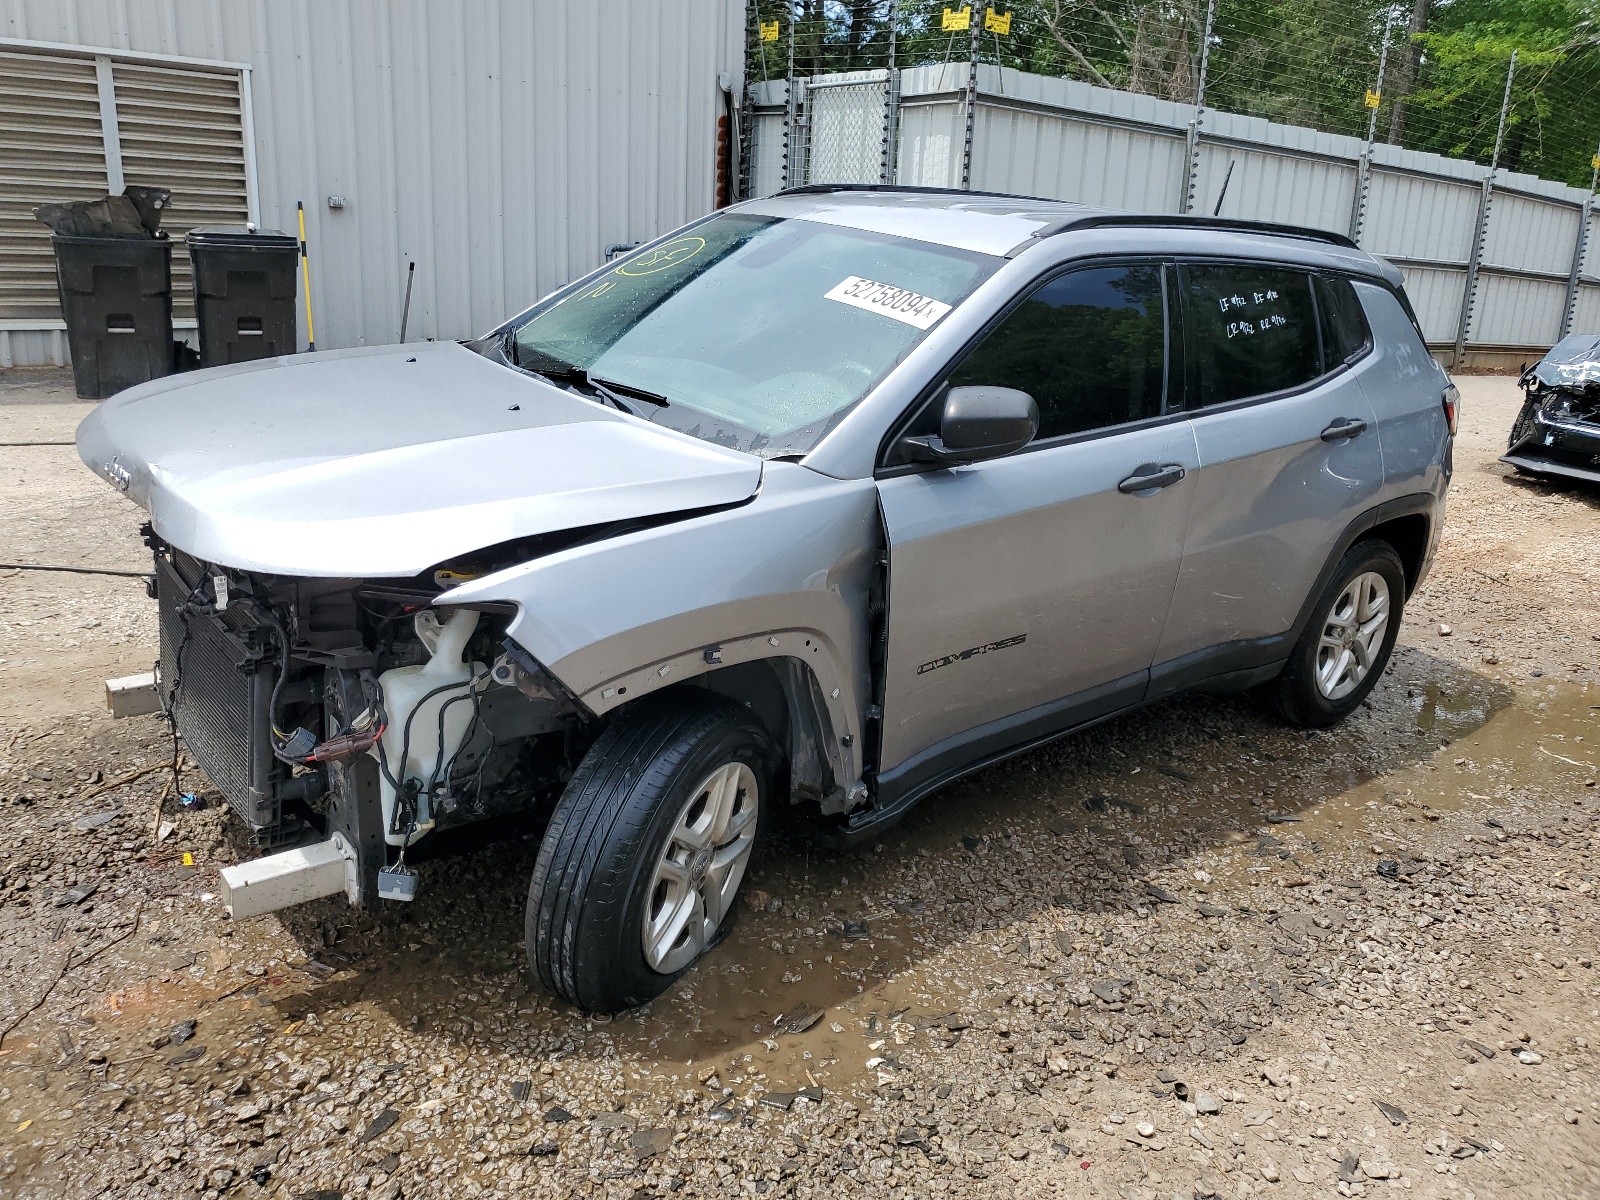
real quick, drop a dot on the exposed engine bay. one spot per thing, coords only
(305, 700)
(1558, 429)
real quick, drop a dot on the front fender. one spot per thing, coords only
(783, 576)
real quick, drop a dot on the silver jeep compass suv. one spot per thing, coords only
(825, 499)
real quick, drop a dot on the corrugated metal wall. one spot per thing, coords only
(1040, 136)
(501, 144)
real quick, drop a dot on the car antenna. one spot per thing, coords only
(1218, 209)
(405, 309)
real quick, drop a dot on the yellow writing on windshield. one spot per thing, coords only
(668, 254)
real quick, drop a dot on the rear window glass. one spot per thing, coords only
(1250, 330)
(1344, 325)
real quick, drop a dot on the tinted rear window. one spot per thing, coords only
(1344, 325)
(1250, 330)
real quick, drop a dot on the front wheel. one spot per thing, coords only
(1347, 643)
(1522, 429)
(643, 859)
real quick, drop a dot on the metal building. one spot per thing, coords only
(500, 145)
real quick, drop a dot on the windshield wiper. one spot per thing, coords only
(553, 370)
(627, 389)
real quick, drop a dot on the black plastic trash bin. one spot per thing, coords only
(244, 292)
(116, 296)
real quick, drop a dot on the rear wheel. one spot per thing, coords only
(1347, 643)
(642, 862)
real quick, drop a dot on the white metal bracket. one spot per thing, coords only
(274, 881)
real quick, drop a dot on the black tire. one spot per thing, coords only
(586, 900)
(1522, 428)
(1295, 695)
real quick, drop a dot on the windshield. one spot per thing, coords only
(752, 332)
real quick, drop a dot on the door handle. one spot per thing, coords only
(1150, 476)
(1344, 427)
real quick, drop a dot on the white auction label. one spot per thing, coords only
(889, 301)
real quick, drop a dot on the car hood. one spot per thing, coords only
(385, 461)
(1573, 362)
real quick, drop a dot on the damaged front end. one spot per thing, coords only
(1558, 429)
(351, 717)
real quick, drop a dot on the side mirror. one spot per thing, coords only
(978, 423)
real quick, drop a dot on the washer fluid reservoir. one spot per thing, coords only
(415, 696)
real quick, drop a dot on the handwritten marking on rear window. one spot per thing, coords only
(1238, 301)
(1261, 325)
(887, 300)
(1259, 322)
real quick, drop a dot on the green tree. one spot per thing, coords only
(1302, 62)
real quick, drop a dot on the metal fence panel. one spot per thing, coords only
(1410, 216)
(1058, 138)
(1275, 187)
(1530, 234)
(845, 127)
(930, 145)
(1036, 153)
(1587, 319)
(1514, 311)
(1436, 296)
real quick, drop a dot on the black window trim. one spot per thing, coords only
(1172, 380)
(1317, 381)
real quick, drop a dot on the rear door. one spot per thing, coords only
(1029, 593)
(1289, 455)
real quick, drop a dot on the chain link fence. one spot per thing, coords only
(1131, 116)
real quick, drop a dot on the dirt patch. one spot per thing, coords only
(1189, 953)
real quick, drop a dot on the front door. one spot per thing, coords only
(1028, 593)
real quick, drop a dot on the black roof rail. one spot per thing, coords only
(1095, 220)
(822, 189)
(1174, 221)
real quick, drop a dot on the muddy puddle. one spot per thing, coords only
(843, 958)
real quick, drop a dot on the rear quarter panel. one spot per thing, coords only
(1405, 385)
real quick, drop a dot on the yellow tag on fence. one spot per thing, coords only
(769, 31)
(1374, 98)
(956, 20)
(1595, 162)
(994, 22)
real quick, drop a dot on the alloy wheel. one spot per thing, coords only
(700, 868)
(1352, 635)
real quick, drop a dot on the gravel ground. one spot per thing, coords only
(1190, 953)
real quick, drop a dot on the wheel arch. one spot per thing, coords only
(1413, 517)
(786, 695)
(1409, 535)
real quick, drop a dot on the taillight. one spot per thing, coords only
(1452, 405)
